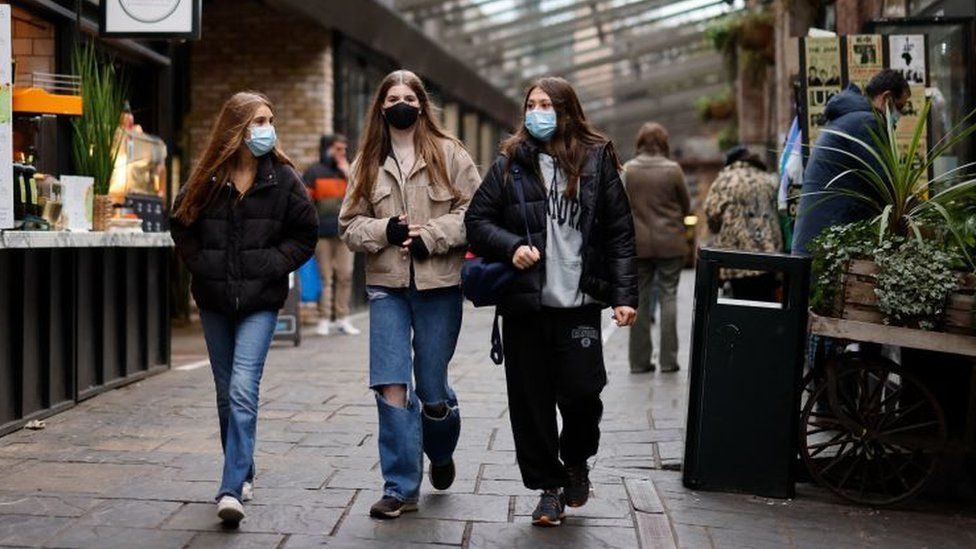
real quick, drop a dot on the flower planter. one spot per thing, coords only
(756, 35)
(721, 110)
(961, 307)
(860, 302)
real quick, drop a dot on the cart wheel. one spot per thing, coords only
(881, 442)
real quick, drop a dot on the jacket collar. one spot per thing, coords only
(266, 175)
(390, 166)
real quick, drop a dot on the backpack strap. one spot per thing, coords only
(497, 349)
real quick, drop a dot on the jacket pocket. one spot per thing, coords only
(381, 199)
(438, 200)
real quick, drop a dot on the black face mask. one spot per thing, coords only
(402, 115)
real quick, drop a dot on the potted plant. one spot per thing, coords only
(95, 144)
(914, 259)
(720, 106)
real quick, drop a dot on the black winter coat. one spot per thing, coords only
(495, 228)
(241, 249)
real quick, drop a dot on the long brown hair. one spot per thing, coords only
(574, 133)
(375, 146)
(653, 139)
(226, 139)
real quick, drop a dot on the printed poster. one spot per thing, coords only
(864, 58)
(822, 65)
(906, 54)
(6, 123)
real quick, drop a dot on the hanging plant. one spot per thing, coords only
(747, 37)
(720, 106)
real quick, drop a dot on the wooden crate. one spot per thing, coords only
(860, 302)
(960, 307)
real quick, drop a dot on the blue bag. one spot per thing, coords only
(485, 283)
(308, 274)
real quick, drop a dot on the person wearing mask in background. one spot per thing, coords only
(659, 201)
(855, 115)
(577, 259)
(741, 211)
(241, 223)
(410, 186)
(326, 181)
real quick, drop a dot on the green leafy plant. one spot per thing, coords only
(728, 137)
(744, 37)
(831, 251)
(914, 281)
(95, 146)
(895, 185)
(719, 106)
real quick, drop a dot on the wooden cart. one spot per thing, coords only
(870, 431)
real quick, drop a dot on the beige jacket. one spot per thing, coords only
(660, 202)
(362, 226)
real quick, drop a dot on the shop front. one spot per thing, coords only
(84, 261)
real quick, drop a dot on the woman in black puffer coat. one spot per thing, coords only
(577, 259)
(242, 223)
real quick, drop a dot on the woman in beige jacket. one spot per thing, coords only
(410, 187)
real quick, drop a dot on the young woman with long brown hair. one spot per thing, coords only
(410, 186)
(242, 222)
(580, 260)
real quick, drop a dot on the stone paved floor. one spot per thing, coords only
(137, 467)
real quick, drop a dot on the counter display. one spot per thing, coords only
(80, 313)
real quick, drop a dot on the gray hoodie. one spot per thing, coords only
(564, 243)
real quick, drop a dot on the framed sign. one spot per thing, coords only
(155, 19)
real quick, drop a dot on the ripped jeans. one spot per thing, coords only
(412, 336)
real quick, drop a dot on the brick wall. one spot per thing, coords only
(250, 46)
(32, 43)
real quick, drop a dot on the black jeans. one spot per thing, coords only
(554, 358)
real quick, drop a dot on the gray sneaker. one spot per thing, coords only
(389, 507)
(550, 511)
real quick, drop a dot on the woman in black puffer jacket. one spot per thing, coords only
(577, 259)
(242, 223)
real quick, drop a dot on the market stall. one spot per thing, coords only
(84, 253)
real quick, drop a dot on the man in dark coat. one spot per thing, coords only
(852, 113)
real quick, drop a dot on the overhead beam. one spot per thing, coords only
(502, 51)
(642, 107)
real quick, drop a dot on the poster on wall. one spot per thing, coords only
(906, 54)
(159, 19)
(6, 123)
(821, 56)
(864, 58)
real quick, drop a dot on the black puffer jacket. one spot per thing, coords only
(242, 248)
(495, 228)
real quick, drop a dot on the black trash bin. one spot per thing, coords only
(746, 368)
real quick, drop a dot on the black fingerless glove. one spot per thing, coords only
(396, 232)
(418, 249)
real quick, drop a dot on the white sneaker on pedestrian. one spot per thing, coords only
(345, 327)
(230, 511)
(323, 327)
(247, 492)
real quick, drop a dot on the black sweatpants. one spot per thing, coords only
(554, 358)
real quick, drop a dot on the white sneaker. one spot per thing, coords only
(323, 327)
(230, 510)
(247, 492)
(345, 327)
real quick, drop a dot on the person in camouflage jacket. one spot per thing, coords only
(741, 212)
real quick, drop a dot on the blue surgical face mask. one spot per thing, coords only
(262, 140)
(541, 124)
(894, 114)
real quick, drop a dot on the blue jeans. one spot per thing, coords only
(412, 335)
(238, 346)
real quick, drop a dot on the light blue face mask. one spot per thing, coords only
(262, 140)
(541, 124)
